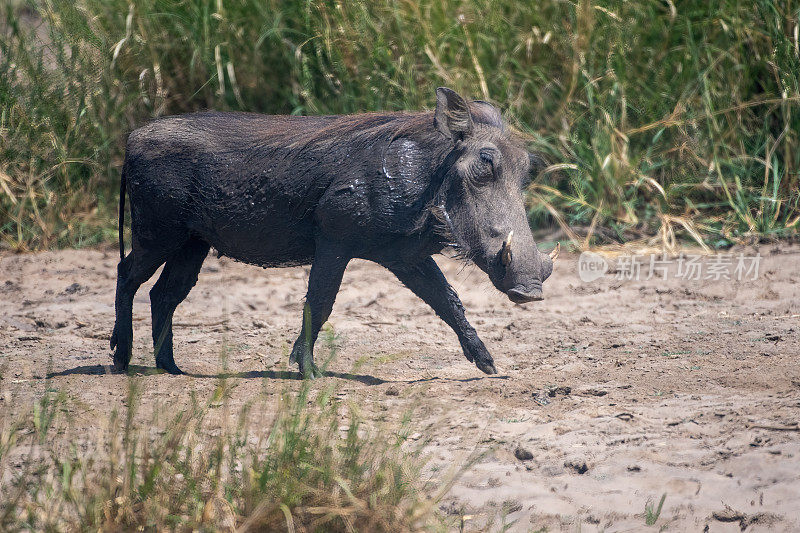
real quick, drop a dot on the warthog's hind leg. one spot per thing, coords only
(137, 267)
(177, 279)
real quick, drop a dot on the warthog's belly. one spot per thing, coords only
(264, 237)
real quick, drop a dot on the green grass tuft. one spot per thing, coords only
(315, 467)
(652, 512)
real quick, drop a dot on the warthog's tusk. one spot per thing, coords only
(554, 252)
(506, 254)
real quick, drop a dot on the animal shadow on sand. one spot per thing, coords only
(99, 370)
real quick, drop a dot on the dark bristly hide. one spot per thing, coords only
(394, 188)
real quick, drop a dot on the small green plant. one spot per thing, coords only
(46, 410)
(651, 513)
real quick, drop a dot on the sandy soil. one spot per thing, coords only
(620, 390)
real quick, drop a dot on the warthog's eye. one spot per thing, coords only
(485, 168)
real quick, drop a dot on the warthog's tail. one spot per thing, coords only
(122, 187)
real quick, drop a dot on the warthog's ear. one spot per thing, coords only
(452, 114)
(486, 113)
(537, 164)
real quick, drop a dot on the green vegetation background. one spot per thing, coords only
(664, 120)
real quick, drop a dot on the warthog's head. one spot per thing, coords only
(481, 206)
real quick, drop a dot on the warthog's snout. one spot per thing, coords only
(526, 290)
(521, 295)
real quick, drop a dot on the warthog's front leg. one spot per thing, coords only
(427, 281)
(323, 284)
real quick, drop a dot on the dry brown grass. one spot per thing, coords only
(288, 465)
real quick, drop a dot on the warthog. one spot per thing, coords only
(393, 188)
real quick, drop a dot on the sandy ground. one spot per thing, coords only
(621, 390)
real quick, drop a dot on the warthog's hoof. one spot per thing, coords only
(486, 366)
(310, 371)
(476, 352)
(304, 358)
(169, 367)
(121, 359)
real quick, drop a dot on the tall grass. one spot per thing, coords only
(202, 469)
(662, 119)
